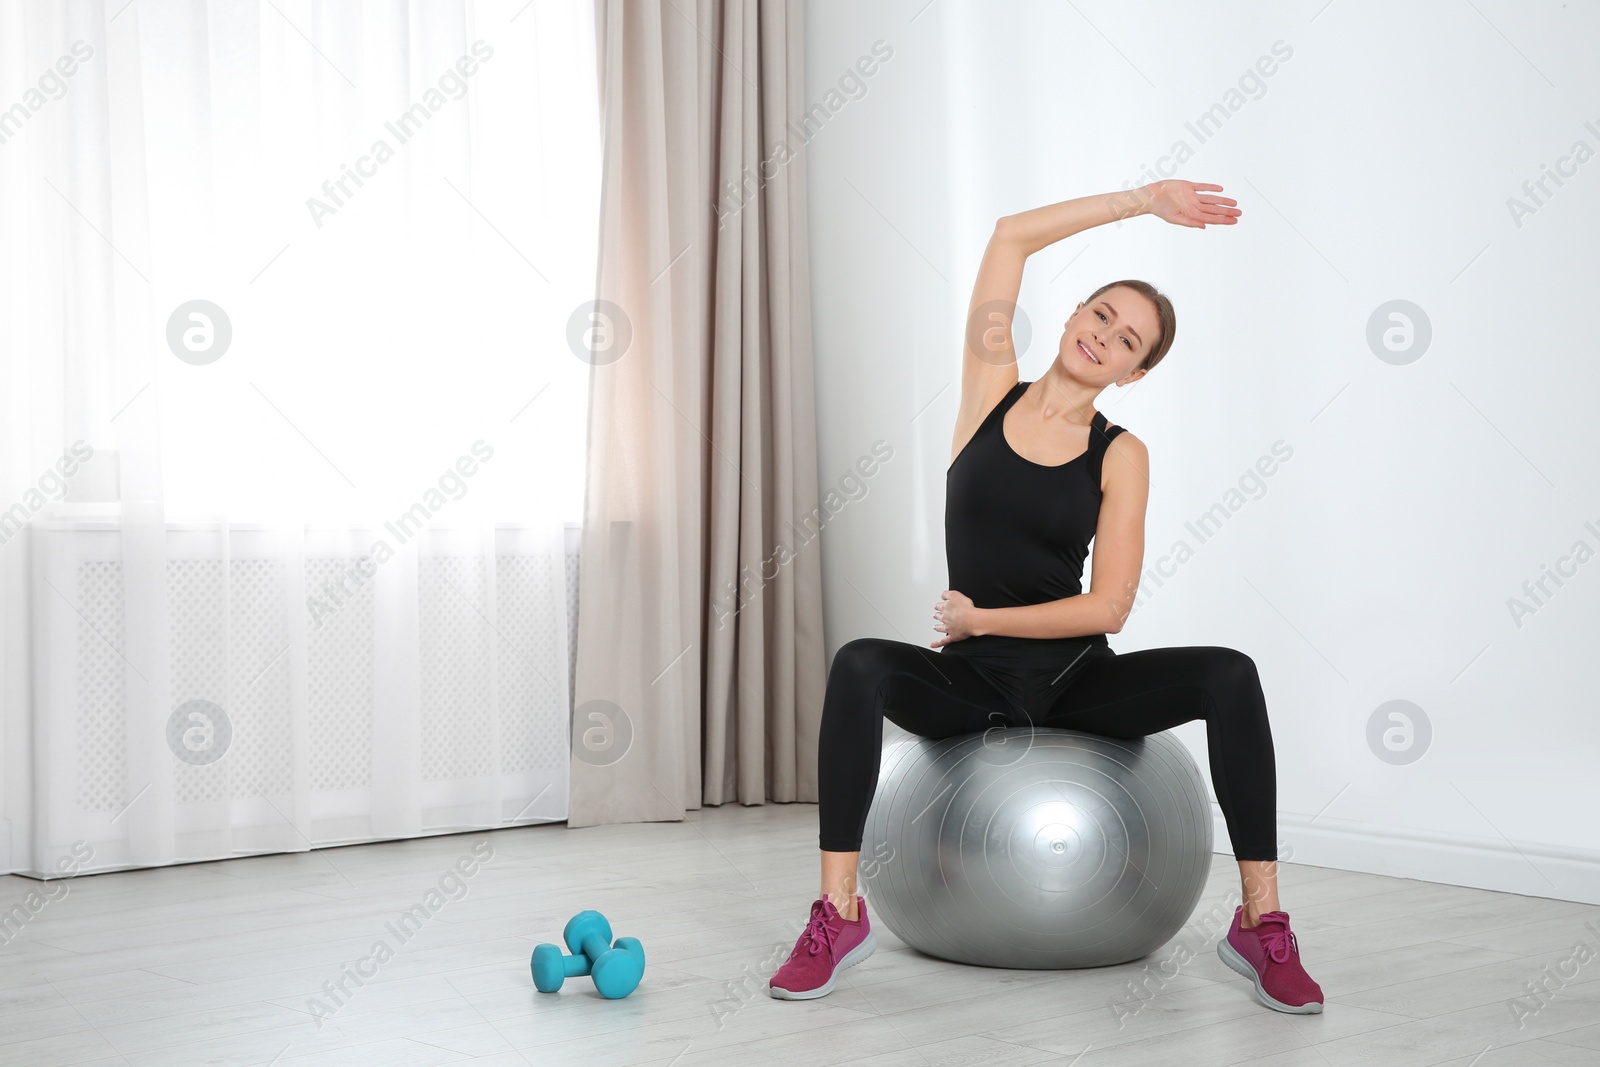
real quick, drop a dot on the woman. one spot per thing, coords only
(1034, 475)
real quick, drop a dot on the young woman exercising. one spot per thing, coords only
(1034, 476)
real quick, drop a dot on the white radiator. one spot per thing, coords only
(313, 758)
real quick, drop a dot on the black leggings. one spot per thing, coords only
(938, 694)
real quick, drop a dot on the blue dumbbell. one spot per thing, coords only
(616, 970)
(551, 967)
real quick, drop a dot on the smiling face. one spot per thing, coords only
(1107, 338)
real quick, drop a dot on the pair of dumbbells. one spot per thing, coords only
(616, 969)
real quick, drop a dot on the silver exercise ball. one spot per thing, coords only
(1035, 847)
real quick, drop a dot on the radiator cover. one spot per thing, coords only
(485, 742)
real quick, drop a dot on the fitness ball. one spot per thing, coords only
(1037, 848)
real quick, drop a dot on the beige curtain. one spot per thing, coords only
(700, 659)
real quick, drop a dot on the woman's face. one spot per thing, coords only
(1105, 339)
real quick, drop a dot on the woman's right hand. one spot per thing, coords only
(1189, 204)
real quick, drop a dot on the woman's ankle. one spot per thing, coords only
(844, 904)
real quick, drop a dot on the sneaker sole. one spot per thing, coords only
(851, 958)
(1231, 957)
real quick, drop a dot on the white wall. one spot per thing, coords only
(1377, 563)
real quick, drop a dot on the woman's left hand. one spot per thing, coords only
(955, 616)
(1190, 203)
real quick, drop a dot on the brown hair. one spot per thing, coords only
(1164, 315)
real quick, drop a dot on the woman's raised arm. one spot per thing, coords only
(989, 361)
(1174, 200)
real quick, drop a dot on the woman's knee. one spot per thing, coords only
(1231, 665)
(1235, 681)
(857, 673)
(861, 659)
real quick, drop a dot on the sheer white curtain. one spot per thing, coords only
(293, 419)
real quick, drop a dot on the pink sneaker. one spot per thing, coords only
(1269, 955)
(827, 945)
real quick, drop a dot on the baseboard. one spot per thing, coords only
(1532, 870)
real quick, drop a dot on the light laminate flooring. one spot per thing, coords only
(224, 963)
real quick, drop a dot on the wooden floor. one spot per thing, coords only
(221, 963)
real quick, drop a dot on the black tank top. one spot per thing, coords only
(1017, 532)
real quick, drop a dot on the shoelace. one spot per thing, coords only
(1278, 943)
(817, 933)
